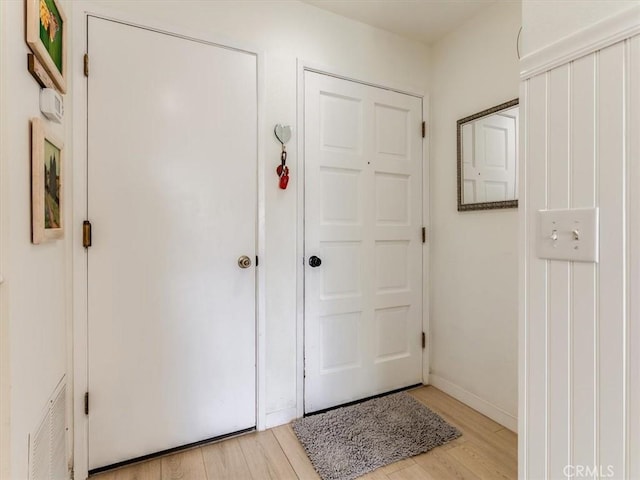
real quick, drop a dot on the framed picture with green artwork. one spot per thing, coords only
(47, 38)
(47, 182)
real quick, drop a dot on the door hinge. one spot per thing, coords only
(86, 64)
(86, 403)
(424, 340)
(257, 260)
(86, 234)
(424, 129)
(424, 234)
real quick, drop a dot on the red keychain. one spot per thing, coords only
(283, 134)
(283, 170)
(284, 177)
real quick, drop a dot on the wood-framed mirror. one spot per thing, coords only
(488, 158)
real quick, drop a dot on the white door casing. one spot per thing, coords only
(363, 219)
(171, 316)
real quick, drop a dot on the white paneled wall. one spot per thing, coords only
(580, 322)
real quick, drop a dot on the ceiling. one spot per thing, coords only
(423, 20)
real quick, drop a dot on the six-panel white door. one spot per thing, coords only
(172, 155)
(363, 221)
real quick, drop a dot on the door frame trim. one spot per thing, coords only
(307, 66)
(78, 181)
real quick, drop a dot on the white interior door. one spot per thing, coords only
(172, 155)
(363, 221)
(489, 153)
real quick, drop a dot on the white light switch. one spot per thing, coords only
(568, 234)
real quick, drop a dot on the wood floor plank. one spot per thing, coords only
(265, 458)
(439, 464)
(460, 419)
(453, 406)
(295, 452)
(506, 463)
(225, 461)
(150, 470)
(473, 424)
(479, 464)
(509, 436)
(453, 443)
(413, 472)
(399, 465)
(187, 465)
(375, 475)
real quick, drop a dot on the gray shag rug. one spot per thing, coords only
(348, 442)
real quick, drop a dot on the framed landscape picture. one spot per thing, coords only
(47, 38)
(47, 182)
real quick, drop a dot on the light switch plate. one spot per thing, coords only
(570, 235)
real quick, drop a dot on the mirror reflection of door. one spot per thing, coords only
(487, 158)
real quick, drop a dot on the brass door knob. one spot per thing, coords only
(244, 262)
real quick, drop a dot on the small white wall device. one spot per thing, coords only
(51, 104)
(568, 234)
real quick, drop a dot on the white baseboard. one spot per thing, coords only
(280, 417)
(481, 405)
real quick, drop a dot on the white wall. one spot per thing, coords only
(36, 293)
(474, 296)
(580, 322)
(5, 372)
(547, 21)
(5, 353)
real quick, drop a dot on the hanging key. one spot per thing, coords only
(284, 178)
(283, 162)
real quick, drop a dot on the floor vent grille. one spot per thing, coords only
(48, 445)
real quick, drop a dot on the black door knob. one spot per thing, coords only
(314, 261)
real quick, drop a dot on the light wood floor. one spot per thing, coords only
(486, 450)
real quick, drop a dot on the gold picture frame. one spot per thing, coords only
(47, 38)
(47, 182)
